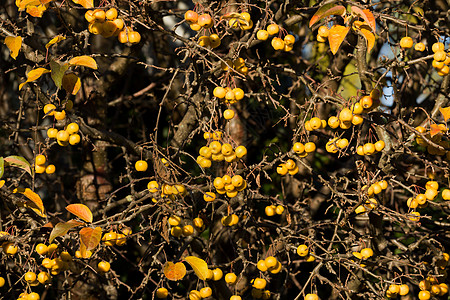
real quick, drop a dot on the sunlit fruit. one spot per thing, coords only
(141, 166)
(104, 266)
(273, 29)
(406, 42)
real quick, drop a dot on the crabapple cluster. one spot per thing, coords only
(228, 95)
(212, 41)
(436, 138)
(216, 151)
(242, 21)
(303, 150)
(334, 144)
(288, 167)
(430, 287)
(112, 237)
(197, 22)
(41, 167)
(376, 188)
(270, 264)
(167, 190)
(370, 148)
(286, 44)
(441, 58)
(397, 289)
(107, 24)
(177, 228)
(64, 137)
(238, 65)
(271, 210)
(229, 185)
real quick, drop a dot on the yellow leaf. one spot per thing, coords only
(84, 3)
(22, 4)
(55, 40)
(81, 211)
(337, 36)
(85, 61)
(71, 83)
(33, 75)
(36, 11)
(370, 38)
(35, 202)
(174, 271)
(445, 111)
(199, 266)
(13, 44)
(62, 228)
(2, 183)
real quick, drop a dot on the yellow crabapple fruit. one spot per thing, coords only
(228, 114)
(214, 40)
(277, 43)
(111, 14)
(74, 139)
(311, 297)
(366, 102)
(50, 169)
(270, 210)
(259, 283)
(191, 16)
(141, 166)
(194, 295)
(62, 136)
(41, 249)
(406, 42)
(302, 250)
(60, 115)
(230, 278)
(366, 253)
(52, 132)
(262, 35)
(270, 261)
(273, 29)
(346, 115)
(72, 128)
(205, 21)
(217, 274)
(104, 266)
(205, 292)
(419, 47)
(162, 293)
(261, 265)
(40, 159)
(49, 109)
(209, 196)
(323, 31)
(30, 276)
(9, 248)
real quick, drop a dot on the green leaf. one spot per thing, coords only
(199, 266)
(62, 228)
(19, 162)
(2, 167)
(58, 70)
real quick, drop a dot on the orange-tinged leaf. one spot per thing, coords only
(18, 162)
(337, 36)
(435, 129)
(33, 75)
(2, 183)
(325, 11)
(81, 211)
(85, 61)
(91, 237)
(174, 271)
(83, 249)
(85, 3)
(62, 228)
(36, 11)
(370, 38)
(55, 40)
(71, 83)
(445, 111)
(45, 1)
(32, 196)
(366, 15)
(199, 266)
(13, 44)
